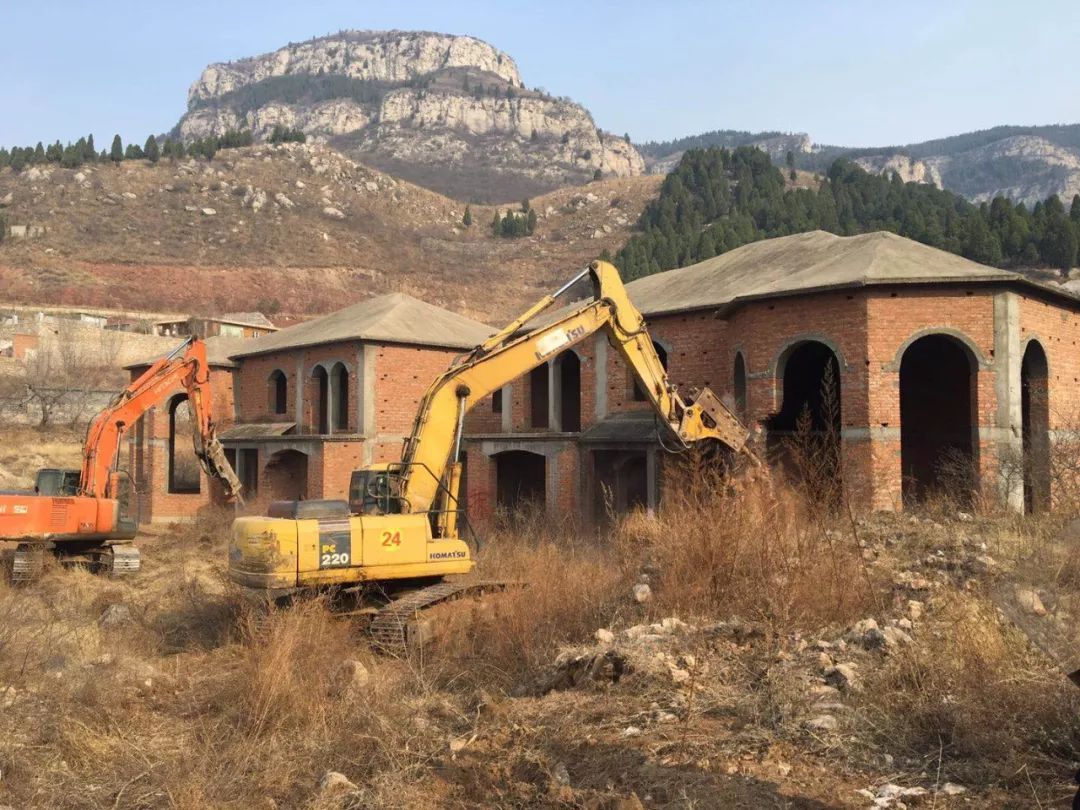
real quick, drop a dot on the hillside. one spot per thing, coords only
(450, 113)
(295, 228)
(1025, 164)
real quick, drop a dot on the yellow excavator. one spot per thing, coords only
(397, 535)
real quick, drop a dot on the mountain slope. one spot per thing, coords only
(1025, 164)
(447, 112)
(297, 226)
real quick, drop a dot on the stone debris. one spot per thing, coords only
(823, 722)
(7, 696)
(604, 636)
(333, 213)
(642, 593)
(284, 201)
(952, 789)
(631, 731)
(350, 680)
(114, 615)
(209, 212)
(335, 782)
(1029, 602)
(843, 677)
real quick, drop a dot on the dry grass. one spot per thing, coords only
(747, 546)
(25, 450)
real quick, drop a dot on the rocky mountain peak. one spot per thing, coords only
(447, 112)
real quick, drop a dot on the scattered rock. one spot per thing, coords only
(334, 782)
(371, 185)
(604, 636)
(129, 195)
(867, 634)
(673, 625)
(560, 775)
(577, 670)
(350, 680)
(209, 212)
(894, 637)
(191, 209)
(1030, 602)
(333, 213)
(915, 609)
(301, 184)
(631, 731)
(984, 564)
(679, 675)
(823, 722)
(283, 201)
(964, 517)
(843, 677)
(7, 696)
(952, 789)
(114, 615)
(642, 593)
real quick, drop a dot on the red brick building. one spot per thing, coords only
(930, 358)
(302, 407)
(904, 355)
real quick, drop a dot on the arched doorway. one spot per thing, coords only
(520, 479)
(339, 376)
(1035, 409)
(804, 435)
(185, 473)
(320, 412)
(286, 476)
(568, 374)
(937, 419)
(277, 392)
(739, 385)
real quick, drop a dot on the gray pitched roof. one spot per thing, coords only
(393, 318)
(218, 352)
(810, 262)
(256, 319)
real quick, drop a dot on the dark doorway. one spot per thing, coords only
(520, 479)
(278, 392)
(185, 473)
(635, 384)
(340, 377)
(568, 369)
(804, 435)
(937, 406)
(286, 476)
(621, 480)
(538, 398)
(1035, 407)
(320, 417)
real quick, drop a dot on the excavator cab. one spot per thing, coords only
(375, 491)
(58, 483)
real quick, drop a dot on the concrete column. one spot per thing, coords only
(507, 415)
(554, 411)
(1008, 424)
(600, 363)
(328, 406)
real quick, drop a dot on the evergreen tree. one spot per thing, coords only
(133, 152)
(496, 223)
(39, 153)
(530, 222)
(116, 154)
(466, 220)
(598, 175)
(89, 151)
(151, 150)
(1074, 209)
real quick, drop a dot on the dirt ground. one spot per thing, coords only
(835, 665)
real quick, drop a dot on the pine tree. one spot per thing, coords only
(153, 153)
(116, 154)
(530, 222)
(1074, 209)
(496, 223)
(39, 153)
(89, 152)
(466, 220)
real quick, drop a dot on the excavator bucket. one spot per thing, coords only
(218, 465)
(731, 430)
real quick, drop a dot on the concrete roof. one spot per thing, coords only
(255, 319)
(260, 430)
(219, 351)
(393, 318)
(811, 262)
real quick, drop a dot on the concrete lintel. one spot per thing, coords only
(549, 448)
(877, 433)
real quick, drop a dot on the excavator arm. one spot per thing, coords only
(429, 470)
(185, 365)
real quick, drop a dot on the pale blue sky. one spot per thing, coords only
(852, 73)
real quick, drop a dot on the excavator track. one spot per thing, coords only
(395, 629)
(28, 562)
(119, 560)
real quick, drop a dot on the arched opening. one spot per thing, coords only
(538, 398)
(286, 476)
(1035, 409)
(568, 373)
(739, 385)
(339, 375)
(277, 392)
(639, 392)
(937, 419)
(804, 435)
(184, 469)
(520, 478)
(320, 413)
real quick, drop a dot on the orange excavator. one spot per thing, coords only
(84, 516)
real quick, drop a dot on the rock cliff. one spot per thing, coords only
(447, 112)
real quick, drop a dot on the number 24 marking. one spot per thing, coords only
(391, 540)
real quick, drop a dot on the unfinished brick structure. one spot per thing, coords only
(303, 407)
(903, 355)
(931, 357)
